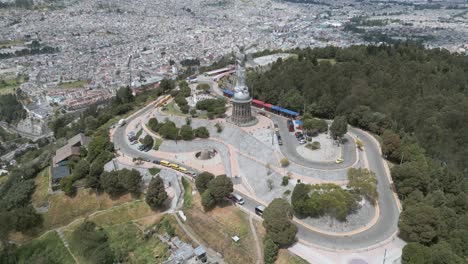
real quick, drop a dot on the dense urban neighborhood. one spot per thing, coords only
(292, 131)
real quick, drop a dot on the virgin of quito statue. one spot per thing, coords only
(241, 101)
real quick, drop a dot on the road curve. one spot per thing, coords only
(384, 228)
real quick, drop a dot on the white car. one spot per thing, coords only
(302, 141)
(338, 161)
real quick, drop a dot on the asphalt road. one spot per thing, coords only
(387, 221)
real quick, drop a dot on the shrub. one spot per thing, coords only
(270, 250)
(219, 127)
(201, 132)
(284, 162)
(285, 181)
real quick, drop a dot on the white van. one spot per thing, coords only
(259, 210)
(237, 198)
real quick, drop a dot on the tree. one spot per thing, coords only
(156, 194)
(277, 222)
(93, 180)
(300, 198)
(220, 187)
(81, 169)
(186, 132)
(148, 141)
(66, 185)
(202, 181)
(166, 85)
(391, 146)
(98, 145)
(414, 253)
(419, 224)
(201, 132)
(270, 250)
(124, 95)
(409, 177)
(153, 124)
(130, 180)
(110, 183)
(339, 127)
(207, 200)
(168, 130)
(26, 218)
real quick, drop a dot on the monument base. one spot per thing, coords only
(245, 123)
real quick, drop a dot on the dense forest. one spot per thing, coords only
(11, 111)
(416, 101)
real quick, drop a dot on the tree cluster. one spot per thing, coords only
(214, 107)
(122, 181)
(156, 194)
(16, 213)
(11, 111)
(313, 126)
(324, 199)
(184, 91)
(169, 130)
(213, 189)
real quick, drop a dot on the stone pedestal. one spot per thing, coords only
(242, 113)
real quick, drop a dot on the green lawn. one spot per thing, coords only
(187, 194)
(46, 249)
(154, 171)
(75, 84)
(138, 134)
(170, 109)
(157, 143)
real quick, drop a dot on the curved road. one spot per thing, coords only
(383, 229)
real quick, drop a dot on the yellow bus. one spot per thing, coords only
(174, 166)
(165, 163)
(182, 169)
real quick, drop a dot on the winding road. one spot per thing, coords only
(384, 229)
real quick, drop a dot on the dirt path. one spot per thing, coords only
(257, 243)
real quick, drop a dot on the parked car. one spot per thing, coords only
(156, 162)
(191, 173)
(236, 198)
(259, 210)
(133, 142)
(302, 141)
